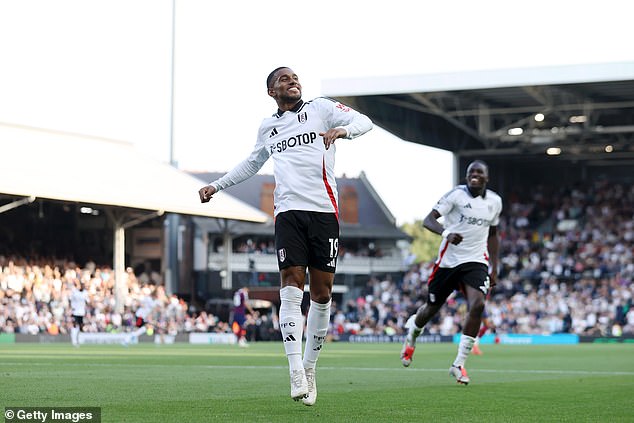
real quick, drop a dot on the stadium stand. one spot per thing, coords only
(567, 266)
(34, 296)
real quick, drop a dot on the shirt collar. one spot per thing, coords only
(295, 109)
(484, 193)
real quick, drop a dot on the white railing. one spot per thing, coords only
(268, 263)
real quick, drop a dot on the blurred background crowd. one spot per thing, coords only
(566, 266)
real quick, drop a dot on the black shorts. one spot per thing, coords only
(444, 280)
(78, 320)
(307, 238)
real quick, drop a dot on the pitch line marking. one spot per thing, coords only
(389, 369)
(363, 369)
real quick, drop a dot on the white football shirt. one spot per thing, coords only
(471, 217)
(78, 300)
(303, 168)
(146, 306)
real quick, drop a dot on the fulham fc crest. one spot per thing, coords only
(281, 254)
(302, 117)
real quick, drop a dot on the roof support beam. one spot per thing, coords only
(118, 217)
(141, 219)
(16, 204)
(536, 109)
(442, 113)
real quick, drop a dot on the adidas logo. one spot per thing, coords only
(290, 338)
(467, 206)
(273, 133)
(320, 341)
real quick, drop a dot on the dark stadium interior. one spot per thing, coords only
(589, 124)
(580, 118)
(47, 228)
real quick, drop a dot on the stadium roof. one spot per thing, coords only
(587, 111)
(96, 171)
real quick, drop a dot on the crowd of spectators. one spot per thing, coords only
(34, 298)
(566, 266)
(567, 262)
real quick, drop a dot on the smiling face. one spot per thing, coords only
(477, 177)
(285, 88)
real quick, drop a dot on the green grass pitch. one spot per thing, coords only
(356, 383)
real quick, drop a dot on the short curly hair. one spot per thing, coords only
(269, 79)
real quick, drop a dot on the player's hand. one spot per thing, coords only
(331, 135)
(206, 192)
(454, 238)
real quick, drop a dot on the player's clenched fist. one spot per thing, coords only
(206, 192)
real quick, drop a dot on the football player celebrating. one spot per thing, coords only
(468, 250)
(300, 138)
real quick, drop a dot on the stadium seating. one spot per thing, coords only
(566, 266)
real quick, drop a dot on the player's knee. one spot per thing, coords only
(320, 292)
(321, 286)
(425, 313)
(293, 276)
(321, 298)
(477, 308)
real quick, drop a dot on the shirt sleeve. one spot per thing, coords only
(445, 204)
(342, 116)
(496, 219)
(245, 169)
